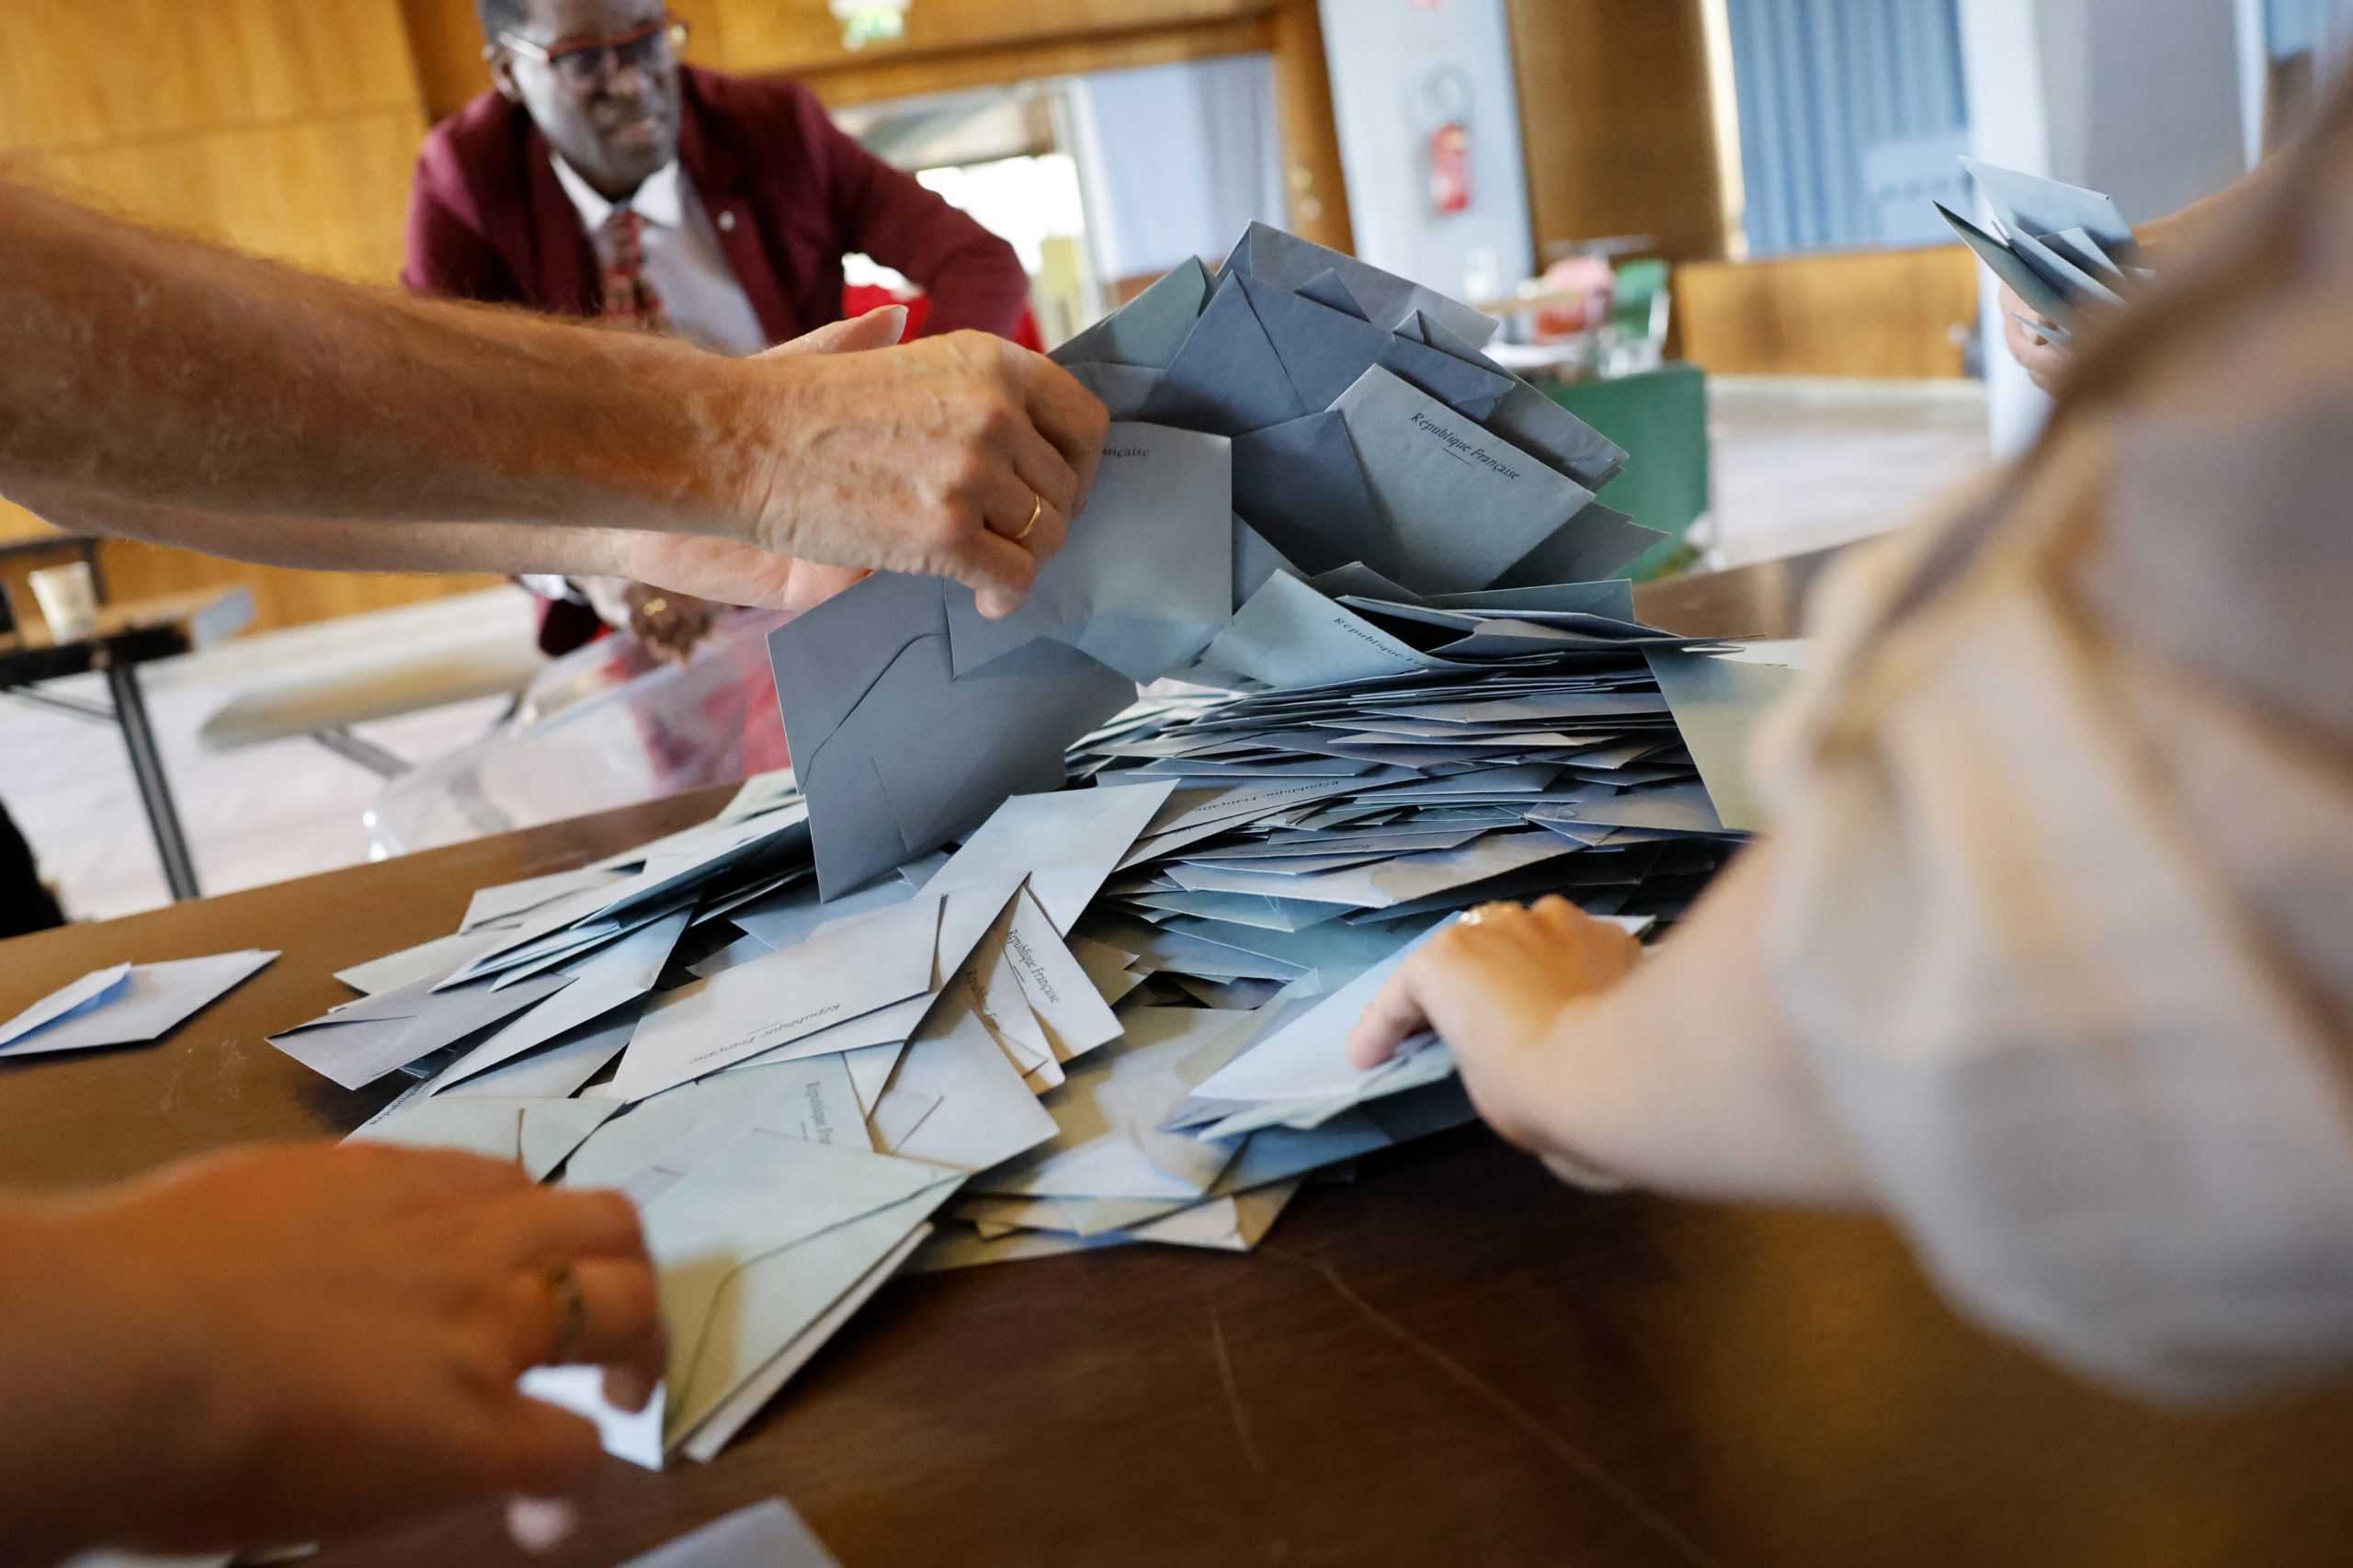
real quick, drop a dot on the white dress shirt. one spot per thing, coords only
(683, 261)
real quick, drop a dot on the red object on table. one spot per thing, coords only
(859, 298)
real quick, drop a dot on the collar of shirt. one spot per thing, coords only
(660, 200)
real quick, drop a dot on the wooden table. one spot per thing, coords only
(128, 635)
(1451, 1360)
(1767, 599)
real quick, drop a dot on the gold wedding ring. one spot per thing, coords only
(571, 1316)
(1036, 510)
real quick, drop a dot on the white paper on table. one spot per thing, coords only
(149, 1003)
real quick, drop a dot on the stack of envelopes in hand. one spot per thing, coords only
(2061, 249)
(818, 1050)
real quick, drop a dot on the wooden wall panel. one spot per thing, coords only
(445, 38)
(951, 44)
(285, 128)
(282, 597)
(88, 73)
(1616, 124)
(1313, 181)
(325, 194)
(884, 77)
(1871, 314)
(761, 35)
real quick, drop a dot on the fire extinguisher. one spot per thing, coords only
(1446, 100)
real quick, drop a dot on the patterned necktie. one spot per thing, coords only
(630, 298)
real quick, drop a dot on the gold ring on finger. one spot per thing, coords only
(1036, 510)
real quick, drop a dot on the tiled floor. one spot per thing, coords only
(1796, 468)
(1804, 465)
(286, 808)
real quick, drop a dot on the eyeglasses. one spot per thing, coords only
(584, 64)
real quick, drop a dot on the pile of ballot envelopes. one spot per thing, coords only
(1020, 965)
(2062, 250)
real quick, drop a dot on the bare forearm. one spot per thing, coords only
(502, 548)
(2163, 239)
(160, 369)
(1685, 1077)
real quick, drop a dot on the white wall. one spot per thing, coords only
(2139, 99)
(1381, 53)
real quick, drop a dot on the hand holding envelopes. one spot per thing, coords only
(897, 754)
(2062, 248)
(1113, 1014)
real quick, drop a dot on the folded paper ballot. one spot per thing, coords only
(1018, 965)
(534, 1133)
(2061, 248)
(898, 755)
(127, 1005)
(1146, 578)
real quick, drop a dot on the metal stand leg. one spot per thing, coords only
(154, 790)
(367, 753)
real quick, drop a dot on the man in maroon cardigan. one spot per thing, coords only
(600, 178)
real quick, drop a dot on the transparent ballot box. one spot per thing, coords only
(604, 726)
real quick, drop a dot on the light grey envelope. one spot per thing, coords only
(2078, 246)
(2070, 279)
(1388, 300)
(2031, 204)
(1301, 486)
(1147, 576)
(897, 756)
(2041, 296)
(1718, 704)
(1463, 504)
(1148, 329)
(1596, 543)
(1531, 420)
(1227, 378)
(1324, 351)
(1125, 389)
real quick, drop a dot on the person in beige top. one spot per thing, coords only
(2050, 952)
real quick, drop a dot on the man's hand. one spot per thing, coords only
(961, 456)
(1493, 986)
(272, 1343)
(736, 574)
(267, 402)
(2043, 360)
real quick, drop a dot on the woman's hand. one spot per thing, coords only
(1493, 985)
(273, 1343)
(2044, 360)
